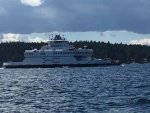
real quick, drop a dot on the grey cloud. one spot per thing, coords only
(75, 15)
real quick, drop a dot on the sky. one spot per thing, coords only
(116, 21)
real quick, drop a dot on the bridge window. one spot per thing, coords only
(42, 53)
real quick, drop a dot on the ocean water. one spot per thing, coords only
(112, 89)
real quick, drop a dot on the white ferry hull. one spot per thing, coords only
(58, 53)
(91, 64)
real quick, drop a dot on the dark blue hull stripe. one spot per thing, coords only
(58, 65)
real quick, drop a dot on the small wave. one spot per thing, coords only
(142, 86)
(114, 104)
(143, 101)
(122, 65)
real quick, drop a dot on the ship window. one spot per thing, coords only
(30, 53)
(42, 53)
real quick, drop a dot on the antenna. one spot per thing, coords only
(49, 37)
(63, 37)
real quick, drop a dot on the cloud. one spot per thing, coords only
(32, 3)
(145, 41)
(2, 11)
(36, 39)
(74, 16)
(10, 37)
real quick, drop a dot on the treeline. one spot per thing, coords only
(13, 51)
(122, 52)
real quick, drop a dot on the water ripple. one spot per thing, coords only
(118, 89)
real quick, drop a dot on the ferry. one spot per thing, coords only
(58, 53)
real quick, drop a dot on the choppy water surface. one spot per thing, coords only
(116, 89)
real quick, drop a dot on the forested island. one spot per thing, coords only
(13, 51)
